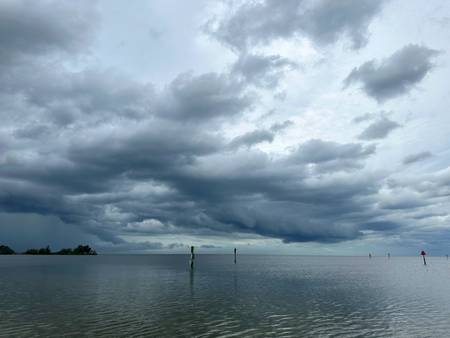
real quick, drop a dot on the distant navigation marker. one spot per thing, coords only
(370, 256)
(191, 261)
(234, 255)
(423, 254)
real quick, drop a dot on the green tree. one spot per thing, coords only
(84, 250)
(32, 252)
(65, 251)
(45, 251)
(6, 250)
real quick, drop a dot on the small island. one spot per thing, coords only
(79, 250)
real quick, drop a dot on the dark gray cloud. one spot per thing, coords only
(30, 230)
(251, 138)
(331, 155)
(203, 97)
(102, 158)
(363, 118)
(279, 126)
(136, 247)
(261, 70)
(202, 189)
(48, 26)
(323, 21)
(32, 131)
(413, 158)
(395, 75)
(381, 225)
(209, 246)
(379, 129)
(403, 200)
(66, 96)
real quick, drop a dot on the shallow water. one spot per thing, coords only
(273, 296)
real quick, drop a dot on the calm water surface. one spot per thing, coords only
(261, 296)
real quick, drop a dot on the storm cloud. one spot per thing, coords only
(97, 146)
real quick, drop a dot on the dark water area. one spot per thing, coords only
(260, 296)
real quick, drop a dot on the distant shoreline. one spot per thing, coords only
(80, 250)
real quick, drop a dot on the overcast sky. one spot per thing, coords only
(290, 127)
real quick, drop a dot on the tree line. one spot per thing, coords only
(79, 250)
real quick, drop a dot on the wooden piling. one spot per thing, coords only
(191, 261)
(234, 255)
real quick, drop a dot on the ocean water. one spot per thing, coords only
(260, 296)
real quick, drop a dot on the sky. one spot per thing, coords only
(276, 127)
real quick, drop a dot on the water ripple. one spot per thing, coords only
(156, 296)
